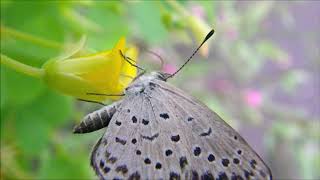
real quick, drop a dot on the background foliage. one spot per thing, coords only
(261, 76)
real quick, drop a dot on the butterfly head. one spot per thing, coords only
(160, 75)
(144, 81)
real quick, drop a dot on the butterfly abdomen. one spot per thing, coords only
(96, 120)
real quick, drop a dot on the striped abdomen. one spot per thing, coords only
(97, 119)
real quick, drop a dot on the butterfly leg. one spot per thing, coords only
(92, 101)
(97, 119)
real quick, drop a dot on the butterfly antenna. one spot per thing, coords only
(205, 39)
(131, 61)
(158, 56)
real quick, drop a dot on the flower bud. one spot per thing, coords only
(105, 72)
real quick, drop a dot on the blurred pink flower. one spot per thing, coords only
(220, 85)
(253, 98)
(232, 33)
(169, 68)
(198, 11)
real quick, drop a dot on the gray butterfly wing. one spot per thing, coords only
(121, 152)
(109, 156)
(221, 151)
(164, 133)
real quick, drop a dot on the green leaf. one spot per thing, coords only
(35, 15)
(148, 21)
(32, 133)
(112, 25)
(18, 89)
(36, 121)
(62, 164)
(53, 108)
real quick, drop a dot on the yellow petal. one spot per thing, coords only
(129, 72)
(73, 49)
(95, 73)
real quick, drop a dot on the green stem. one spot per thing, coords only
(22, 68)
(30, 38)
(177, 7)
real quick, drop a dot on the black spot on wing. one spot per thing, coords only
(236, 161)
(134, 119)
(164, 116)
(235, 137)
(190, 119)
(147, 161)
(150, 138)
(195, 175)
(138, 152)
(134, 141)
(121, 141)
(211, 158)
(112, 160)
(222, 176)
(168, 152)
(118, 123)
(206, 133)
(106, 169)
(158, 165)
(101, 164)
(174, 176)
(197, 151)
(247, 174)
(207, 176)
(183, 162)
(134, 176)
(225, 162)
(123, 169)
(145, 122)
(253, 163)
(175, 138)
(234, 176)
(117, 178)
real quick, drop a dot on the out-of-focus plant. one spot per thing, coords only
(251, 78)
(31, 114)
(298, 139)
(179, 19)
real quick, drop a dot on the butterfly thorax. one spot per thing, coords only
(144, 81)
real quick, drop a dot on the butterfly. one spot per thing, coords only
(157, 131)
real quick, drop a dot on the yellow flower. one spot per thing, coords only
(105, 72)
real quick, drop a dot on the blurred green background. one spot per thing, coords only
(261, 75)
